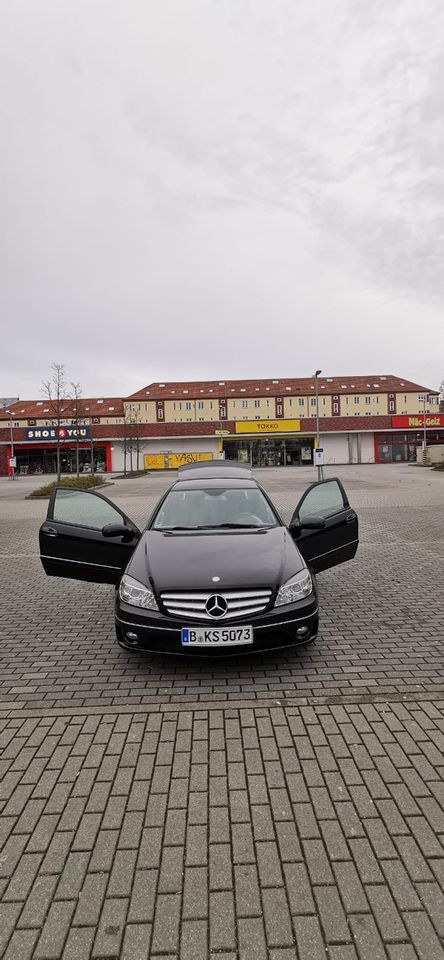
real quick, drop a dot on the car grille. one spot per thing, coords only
(240, 603)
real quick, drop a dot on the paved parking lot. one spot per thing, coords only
(382, 615)
(274, 807)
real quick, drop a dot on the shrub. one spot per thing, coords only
(79, 483)
(130, 475)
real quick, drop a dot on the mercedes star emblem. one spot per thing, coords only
(216, 606)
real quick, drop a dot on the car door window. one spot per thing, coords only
(323, 500)
(84, 509)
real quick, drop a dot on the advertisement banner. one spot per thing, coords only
(172, 461)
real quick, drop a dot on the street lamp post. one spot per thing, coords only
(424, 441)
(92, 447)
(316, 375)
(12, 443)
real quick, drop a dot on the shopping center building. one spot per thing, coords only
(362, 419)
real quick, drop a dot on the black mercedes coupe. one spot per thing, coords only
(215, 570)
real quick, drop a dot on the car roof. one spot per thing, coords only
(215, 470)
(215, 483)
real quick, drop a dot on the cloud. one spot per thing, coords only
(220, 188)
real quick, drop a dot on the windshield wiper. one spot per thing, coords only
(169, 529)
(236, 526)
(218, 526)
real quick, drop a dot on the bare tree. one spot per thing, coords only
(55, 391)
(76, 416)
(126, 439)
(131, 440)
(136, 434)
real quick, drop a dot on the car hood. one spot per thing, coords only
(245, 558)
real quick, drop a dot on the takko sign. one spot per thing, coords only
(63, 433)
(268, 426)
(416, 421)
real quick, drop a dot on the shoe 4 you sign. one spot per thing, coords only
(63, 433)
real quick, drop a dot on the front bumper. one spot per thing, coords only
(153, 632)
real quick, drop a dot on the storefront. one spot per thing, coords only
(40, 458)
(277, 445)
(270, 451)
(401, 445)
(398, 446)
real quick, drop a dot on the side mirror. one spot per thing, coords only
(307, 523)
(118, 530)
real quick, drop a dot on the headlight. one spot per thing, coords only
(133, 592)
(297, 588)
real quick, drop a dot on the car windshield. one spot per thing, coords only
(206, 509)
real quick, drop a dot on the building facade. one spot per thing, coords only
(86, 429)
(264, 422)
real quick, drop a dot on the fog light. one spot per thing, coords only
(132, 637)
(302, 632)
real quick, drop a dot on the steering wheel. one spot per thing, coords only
(250, 518)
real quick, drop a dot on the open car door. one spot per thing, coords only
(334, 541)
(86, 537)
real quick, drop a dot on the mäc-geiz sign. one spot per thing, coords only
(64, 432)
(416, 421)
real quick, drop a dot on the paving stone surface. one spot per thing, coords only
(276, 808)
(382, 614)
(146, 858)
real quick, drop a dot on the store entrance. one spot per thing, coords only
(44, 460)
(271, 451)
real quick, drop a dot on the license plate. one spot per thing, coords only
(216, 636)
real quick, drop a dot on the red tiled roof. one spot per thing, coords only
(303, 386)
(44, 410)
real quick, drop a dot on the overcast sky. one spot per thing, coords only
(220, 188)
